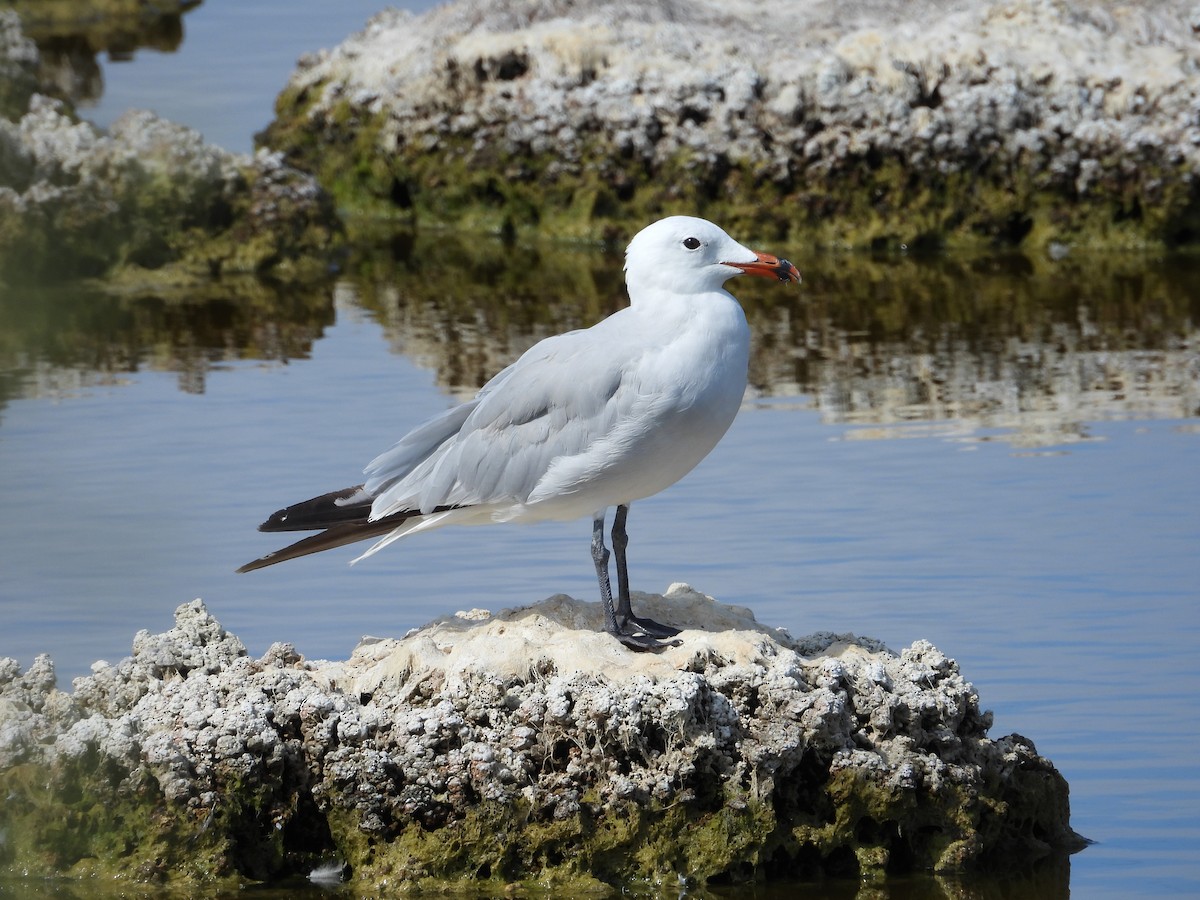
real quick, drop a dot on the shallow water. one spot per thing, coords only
(999, 456)
(1045, 536)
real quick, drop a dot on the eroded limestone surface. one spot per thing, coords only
(523, 745)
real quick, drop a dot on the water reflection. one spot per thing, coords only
(57, 340)
(1049, 880)
(973, 349)
(1034, 351)
(984, 346)
(70, 37)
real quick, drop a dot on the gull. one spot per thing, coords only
(582, 422)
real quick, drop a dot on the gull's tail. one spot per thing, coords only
(342, 517)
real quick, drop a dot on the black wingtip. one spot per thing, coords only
(337, 534)
(326, 511)
(275, 522)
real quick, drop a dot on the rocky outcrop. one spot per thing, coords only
(522, 745)
(886, 124)
(71, 36)
(147, 196)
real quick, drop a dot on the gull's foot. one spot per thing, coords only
(642, 642)
(650, 627)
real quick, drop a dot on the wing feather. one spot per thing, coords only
(558, 400)
(398, 462)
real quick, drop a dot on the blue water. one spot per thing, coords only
(1065, 579)
(234, 60)
(1065, 584)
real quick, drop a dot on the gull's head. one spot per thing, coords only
(686, 255)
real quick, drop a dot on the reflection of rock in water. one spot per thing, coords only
(1036, 394)
(894, 347)
(70, 37)
(1034, 350)
(61, 341)
(466, 306)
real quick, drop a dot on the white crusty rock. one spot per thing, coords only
(519, 745)
(722, 101)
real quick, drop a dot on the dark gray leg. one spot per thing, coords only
(600, 558)
(620, 541)
(635, 638)
(624, 611)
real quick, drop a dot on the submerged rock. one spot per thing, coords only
(147, 196)
(518, 746)
(879, 123)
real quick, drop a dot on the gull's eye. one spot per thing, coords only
(691, 243)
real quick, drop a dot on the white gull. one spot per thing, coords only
(583, 421)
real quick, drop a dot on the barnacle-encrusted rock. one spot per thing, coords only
(524, 745)
(873, 123)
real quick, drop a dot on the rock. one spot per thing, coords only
(70, 37)
(520, 745)
(901, 124)
(18, 70)
(148, 196)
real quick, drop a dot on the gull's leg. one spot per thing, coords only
(600, 558)
(634, 640)
(624, 612)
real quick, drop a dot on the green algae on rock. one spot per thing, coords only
(1025, 122)
(520, 747)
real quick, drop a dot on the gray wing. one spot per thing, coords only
(562, 398)
(397, 463)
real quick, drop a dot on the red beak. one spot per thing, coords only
(768, 266)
